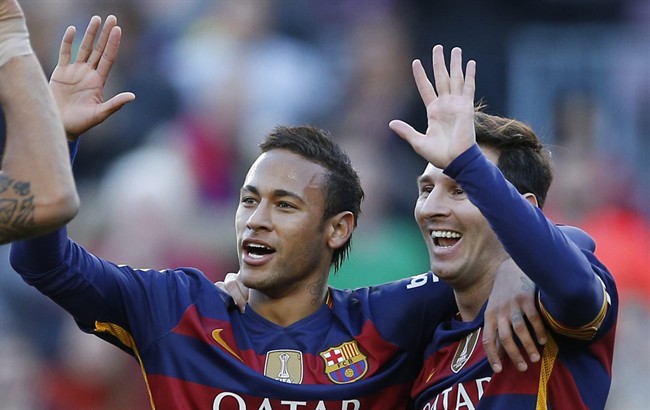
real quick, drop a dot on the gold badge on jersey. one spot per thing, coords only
(284, 365)
(464, 350)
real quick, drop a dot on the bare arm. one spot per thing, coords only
(37, 190)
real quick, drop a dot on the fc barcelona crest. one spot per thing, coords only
(345, 363)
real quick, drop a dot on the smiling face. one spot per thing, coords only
(281, 235)
(463, 249)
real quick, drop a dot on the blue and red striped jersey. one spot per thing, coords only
(576, 296)
(361, 350)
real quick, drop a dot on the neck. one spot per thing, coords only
(288, 309)
(471, 300)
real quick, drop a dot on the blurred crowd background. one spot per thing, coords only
(159, 180)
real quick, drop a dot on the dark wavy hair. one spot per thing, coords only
(342, 188)
(523, 160)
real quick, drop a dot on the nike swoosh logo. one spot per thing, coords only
(430, 375)
(216, 335)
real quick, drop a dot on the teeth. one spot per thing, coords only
(256, 250)
(445, 234)
(255, 245)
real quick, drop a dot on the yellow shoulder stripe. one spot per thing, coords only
(127, 340)
(585, 332)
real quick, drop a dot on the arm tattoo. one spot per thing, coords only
(16, 209)
(5, 183)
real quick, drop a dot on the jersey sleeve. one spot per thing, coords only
(117, 302)
(575, 289)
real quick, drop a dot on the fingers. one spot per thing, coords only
(469, 86)
(65, 51)
(536, 322)
(88, 39)
(440, 73)
(108, 52)
(456, 81)
(491, 344)
(526, 303)
(425, 88)
(445, 83)
(103, 51)
(243, 289)
(237, 291)
(98, 50)
(525, 338)
(522, 333)
(509, 343)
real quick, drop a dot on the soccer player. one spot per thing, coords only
(37, 190)
(301, 344)
(480, 200)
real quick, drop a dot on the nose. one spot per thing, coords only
(260, 217)
(435, 205)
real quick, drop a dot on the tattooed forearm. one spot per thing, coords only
(5, 183)
(16, 209)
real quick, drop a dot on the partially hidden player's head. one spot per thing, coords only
(521, 157)
(298, 208)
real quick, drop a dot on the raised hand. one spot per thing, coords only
(78, 86)
(450, 109)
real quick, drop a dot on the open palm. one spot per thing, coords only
(78, 86)
(450, 110)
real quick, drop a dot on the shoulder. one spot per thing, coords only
(422, 284)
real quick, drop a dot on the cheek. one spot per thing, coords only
(486, 233)
(240, 217)
(238, 225)
(417, 211)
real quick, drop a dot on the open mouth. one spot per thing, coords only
(256, 250)
(445, 239)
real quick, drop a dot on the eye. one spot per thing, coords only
(286, 205)
(425, 190)
(248, 200)
(457, 191)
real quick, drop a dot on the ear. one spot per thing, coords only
(339, 229)
(531, 198)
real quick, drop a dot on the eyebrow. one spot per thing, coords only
(278, 193)
(422, 179)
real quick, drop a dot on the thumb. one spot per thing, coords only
(114, 104)
(404, 130)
